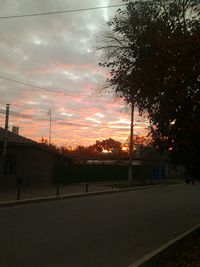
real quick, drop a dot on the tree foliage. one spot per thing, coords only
(109, 145)
(152, 49)
(95, 151)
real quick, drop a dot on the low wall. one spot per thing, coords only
(101, 172)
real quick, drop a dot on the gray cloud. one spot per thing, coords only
(57, 52)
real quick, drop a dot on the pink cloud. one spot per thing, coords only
(82, 110)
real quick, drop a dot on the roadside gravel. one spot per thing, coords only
(187, 256)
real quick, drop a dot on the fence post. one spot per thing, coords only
(57, 190)
(18, 193)
(18, 184)
(86, 188)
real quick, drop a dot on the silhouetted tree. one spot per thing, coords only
(94, 151)
(52, 146)
(109, 145)
(43, 141)
(152, 49)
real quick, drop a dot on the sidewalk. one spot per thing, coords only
(72, 189)
(51, 191)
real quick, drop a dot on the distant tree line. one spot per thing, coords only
(102, 149)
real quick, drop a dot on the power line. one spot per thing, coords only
(45, 89)
(61, 11)
(26, 116)
(38, 118)
(37, 87)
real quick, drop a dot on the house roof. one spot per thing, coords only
(15, 138)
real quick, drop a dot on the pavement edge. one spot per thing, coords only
(154, 258)
(62, 197)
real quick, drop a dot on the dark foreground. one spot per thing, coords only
(186, 256)
(108, 230)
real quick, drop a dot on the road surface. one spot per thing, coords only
(100, 231)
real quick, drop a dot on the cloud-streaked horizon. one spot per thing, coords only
(57, 52)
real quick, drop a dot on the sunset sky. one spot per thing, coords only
(57, 52)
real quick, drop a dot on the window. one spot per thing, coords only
(10, 164)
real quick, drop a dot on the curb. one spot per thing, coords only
(62, 197)
(154, 258)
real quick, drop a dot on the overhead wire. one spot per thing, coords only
(48, 89)
(38, 118)
(37, 87)
(12, 113)
(44, 88)
(52, 13)
(61, 11)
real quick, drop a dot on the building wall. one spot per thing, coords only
(34, 166)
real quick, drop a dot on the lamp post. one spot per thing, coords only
(130, 171)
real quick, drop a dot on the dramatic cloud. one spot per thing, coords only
(57, 52)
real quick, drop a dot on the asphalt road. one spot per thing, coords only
(108, 230)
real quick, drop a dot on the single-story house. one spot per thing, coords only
(28, 162)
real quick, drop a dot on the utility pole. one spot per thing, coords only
(130, 171)
(6, 129)
(50, 120)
